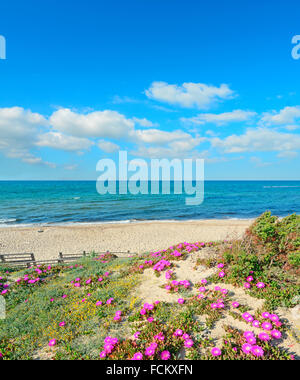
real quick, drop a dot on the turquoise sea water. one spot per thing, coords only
(26, 203)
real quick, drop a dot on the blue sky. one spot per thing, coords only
(158, 78)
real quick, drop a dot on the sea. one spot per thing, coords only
(26, 203)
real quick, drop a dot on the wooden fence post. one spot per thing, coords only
(60, 258)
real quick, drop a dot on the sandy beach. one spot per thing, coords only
(134, 237)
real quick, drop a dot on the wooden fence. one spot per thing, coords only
(28, 259)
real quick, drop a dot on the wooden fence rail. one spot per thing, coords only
(28, 259)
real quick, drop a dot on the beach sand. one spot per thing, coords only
(135, 237)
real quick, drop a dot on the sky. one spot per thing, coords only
(83, 80)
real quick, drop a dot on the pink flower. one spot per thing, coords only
(246, 348)
(260, 285)
(143, 311)
(248, 334)
(246, 316)
(235, 304)
(137, 356)
(274, 318)
(264, 337)
(99, 303)
(165, 355)
(222, 274)
(188, 343)
(265, 315)
(102, 354)
(149, 351)
(202, 289)
(150, 319)
(251, 340)
(220, 265)
(178, 332)
(247, 285)
(108, 348)
(255, 323)
(204, 281)
(62, 324)
(249, 279)
(257, 351)
(267, 326)
(52, 343)
(216, 351)
(276, 334)
(181, 301)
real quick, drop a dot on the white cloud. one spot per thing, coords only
(288, 115)
(104, 124)
(220, 119)
(57, 140)
(158, 137)
(18, 128)
(257, 161)
(259, 140)
(108, 146)
(189, 95)
(145, 123)
(71, 167)
(288, 155)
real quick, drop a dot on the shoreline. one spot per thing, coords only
(139, 237)
(117, 222)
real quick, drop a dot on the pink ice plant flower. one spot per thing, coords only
(257, 351)
(181, 301)
(255, 323)
(264, 337)
(137, 356)
(216, 351)
(247, 348)
(188, 343)
(267, 326)
(165, 355)
(235, 304)
(276, 334)
(248, 334)
(221, 274)
(274, 318)
(178, 332)
(260, 285)
(52, 343)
